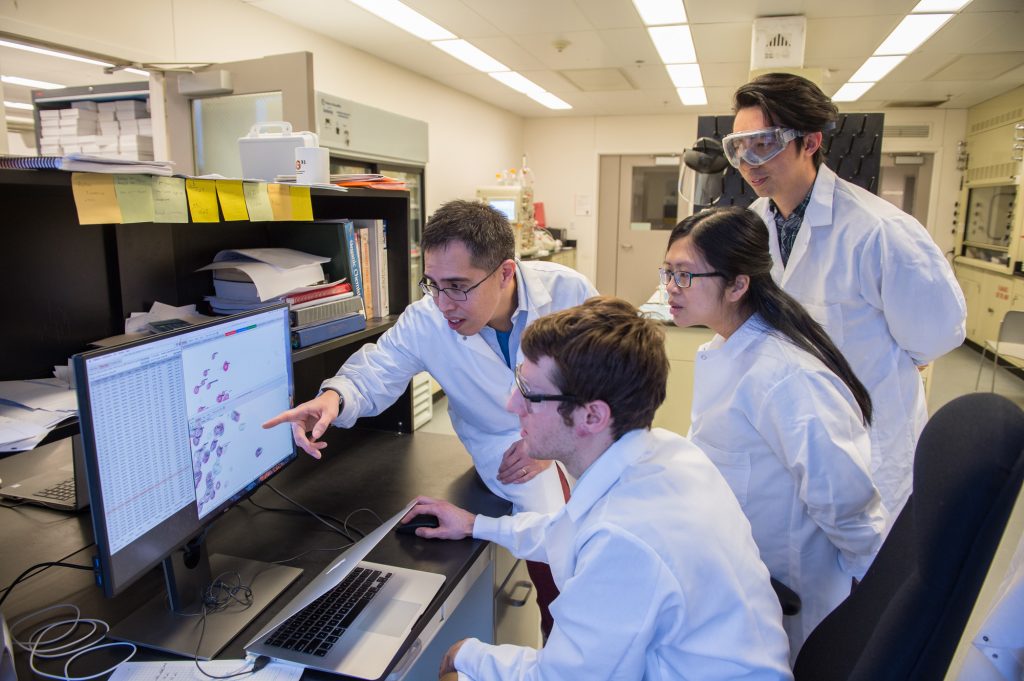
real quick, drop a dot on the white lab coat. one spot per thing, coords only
(787, 436)
(475, 379)
(874, 278)
(659, 578)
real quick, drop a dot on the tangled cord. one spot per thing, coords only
(39, 645)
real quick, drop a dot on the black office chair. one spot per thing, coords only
(906, 617)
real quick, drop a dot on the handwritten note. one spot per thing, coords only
(95, 199)
(257, 202)
(302, 204)
(232, 200)
(169, 202)
(202, 200)
(280, 201)
(135, 197)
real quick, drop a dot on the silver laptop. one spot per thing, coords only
(55, 477)
(371, 640)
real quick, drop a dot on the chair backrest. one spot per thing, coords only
(1011, 329)
(904, 620)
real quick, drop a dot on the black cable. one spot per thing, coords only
(216, 597)
(25, 575)
(296, 511)
(307, 510)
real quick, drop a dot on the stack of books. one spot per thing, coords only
(245, 279)
(316, 317)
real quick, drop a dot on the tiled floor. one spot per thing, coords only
(953, 375)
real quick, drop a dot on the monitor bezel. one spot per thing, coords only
(105, 573)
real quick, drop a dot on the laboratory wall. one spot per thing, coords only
(563, 155)
(469, 140)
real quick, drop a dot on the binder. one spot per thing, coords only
(325, 312)
(310, 335)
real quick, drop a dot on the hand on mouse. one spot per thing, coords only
(455, 523)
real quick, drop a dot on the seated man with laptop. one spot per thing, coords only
(658, 574)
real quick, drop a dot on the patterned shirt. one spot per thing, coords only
(788, 227)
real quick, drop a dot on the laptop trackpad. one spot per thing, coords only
(391, 620)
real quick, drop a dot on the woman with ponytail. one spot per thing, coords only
(777, 408)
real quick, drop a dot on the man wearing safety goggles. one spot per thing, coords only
(868, 272)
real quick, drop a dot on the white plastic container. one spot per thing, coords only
(269, 150)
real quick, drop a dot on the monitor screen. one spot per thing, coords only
(506, 207)
(172, 433)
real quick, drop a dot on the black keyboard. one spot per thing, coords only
(62, 491)
(317, 627)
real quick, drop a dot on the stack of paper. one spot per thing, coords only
(251, 277)
(29, 410)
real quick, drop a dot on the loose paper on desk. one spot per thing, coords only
(135, 197)
(185, 670)
(169, 202)
(232, 200)
(138, 322)
(31, 409)
(95, 199)
(202, 200)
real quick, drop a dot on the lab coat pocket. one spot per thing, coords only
(734, 467)
(831, 319)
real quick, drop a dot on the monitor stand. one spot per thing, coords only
(158, 624)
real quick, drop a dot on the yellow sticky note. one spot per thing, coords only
(280, 201)
(135, 197)
(95, 199)
(302, 205)
(202, 200)
(257, 202)
(232, 200)
(169, 202)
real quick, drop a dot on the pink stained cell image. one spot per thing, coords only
(235, 416)
(226, 365)
(195, 390)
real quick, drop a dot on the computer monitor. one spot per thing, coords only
(172, 438)
(503, 198)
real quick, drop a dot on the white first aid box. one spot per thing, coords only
(269, 150)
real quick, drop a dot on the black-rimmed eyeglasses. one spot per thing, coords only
(536, 398)
(683, 279)
(457, 294)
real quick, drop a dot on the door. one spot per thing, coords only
(639, 208)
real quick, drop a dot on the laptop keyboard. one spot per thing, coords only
(317, 627)
(62, 491)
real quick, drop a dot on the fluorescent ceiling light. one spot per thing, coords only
(692, 96)
(685, 75)
(940, 6)
(18, 105)
(52, 53)
(29, 82)
(911, 32)
(137, 72)
(405, 18)
(660, 12)
(674, 44)
(851, 92)
(517, 82)
(465, 52)
(876, 68)
(548, 100)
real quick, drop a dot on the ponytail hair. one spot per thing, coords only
(734, 241)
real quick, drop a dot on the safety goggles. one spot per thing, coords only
(757, 147)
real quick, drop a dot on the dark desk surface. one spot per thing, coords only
(379, 471)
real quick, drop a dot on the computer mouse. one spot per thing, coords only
(422, 520)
